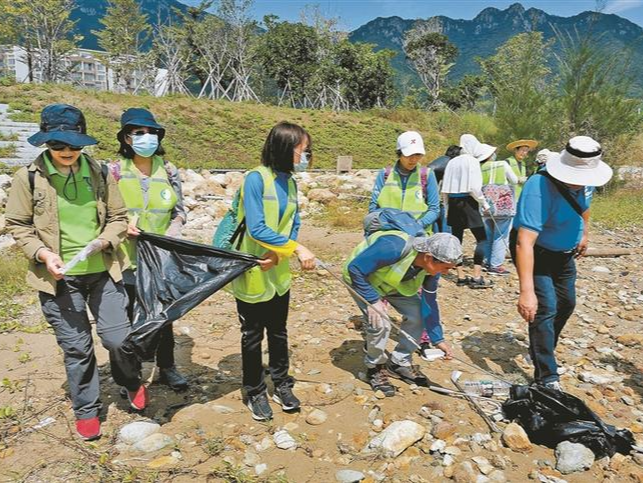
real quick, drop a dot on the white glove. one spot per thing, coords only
(92, 247)
(174, 230)
(522, 179)
(375, 314)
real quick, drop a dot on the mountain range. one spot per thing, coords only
(478, 37)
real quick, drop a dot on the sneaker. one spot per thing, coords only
(259, 407)
(88, 429)
(461, 282)
(138, 399)
(555, 385)
(424, 346)
(429, 355)
(170, 376)
(501, 270)
(479, 283)
(408, 374)
(284, 396)
(378, 379)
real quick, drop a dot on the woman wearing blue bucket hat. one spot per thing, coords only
(67, 215)
(151, 188)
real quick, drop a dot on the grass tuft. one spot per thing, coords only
(619, 209)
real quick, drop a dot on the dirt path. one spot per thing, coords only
(214, 438)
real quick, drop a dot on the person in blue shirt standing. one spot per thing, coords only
(551, 230)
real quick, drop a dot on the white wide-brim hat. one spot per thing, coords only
(580, 163)
(470, 145)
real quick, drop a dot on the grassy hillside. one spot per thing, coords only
(218, 134)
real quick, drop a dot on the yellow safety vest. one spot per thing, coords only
(388, 280)
(153, 216)
(410, 200)
(493, 172)
(256, 286)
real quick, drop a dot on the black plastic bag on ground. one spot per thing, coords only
(550, 417)
(172, 277)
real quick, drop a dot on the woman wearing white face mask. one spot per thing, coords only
(151, 188)
(268, 203)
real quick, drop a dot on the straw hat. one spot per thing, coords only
(580, 163)
(530, 143)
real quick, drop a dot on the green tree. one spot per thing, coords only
(432, 56)
(125, 30)
(519, 80)
(288, 54)
(465, 94)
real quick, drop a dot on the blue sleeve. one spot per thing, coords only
(294, 233)
(431, 310)
(433, 200)
(253, 207)
(534, 204)
(385, 251)
(377, 189)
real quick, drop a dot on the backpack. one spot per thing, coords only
(392, 219)
(230, 229)
(424, 178)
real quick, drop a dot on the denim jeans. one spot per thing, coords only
(431, 311)
(555, 287)
(410, 308)
(440, 225)
(498, 239)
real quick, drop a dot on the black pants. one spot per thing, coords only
(481, 241)
(66, 312)
(270, 316)
(165, 348)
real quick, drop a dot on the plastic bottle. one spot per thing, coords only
(487, 388)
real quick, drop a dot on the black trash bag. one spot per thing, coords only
(172, 277)
(550, 417)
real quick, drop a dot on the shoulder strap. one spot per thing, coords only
(562, 189)
(104, 171)
(424, 181)
(408, 246)
(32, 180)
(387, 172)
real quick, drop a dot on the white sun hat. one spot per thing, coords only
(580, 163)
(471, 146)
(410, 143)
(543, 156)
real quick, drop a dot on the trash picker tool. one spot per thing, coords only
(455, 375)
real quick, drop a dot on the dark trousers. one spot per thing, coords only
(270, 316)
(555, 287)
(481, 241)
(165, 349)
(66, 312)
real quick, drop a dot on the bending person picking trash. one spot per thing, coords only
(391, 266)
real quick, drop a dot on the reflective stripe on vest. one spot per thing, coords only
(410, 200)
(255, 286)
(493, 172)
(155, 215)
(388, 280)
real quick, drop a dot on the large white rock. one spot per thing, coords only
(5, 181)
(137, 431)
(573, 457)
(283, 440)
(349, 476)
(153, 443)
(396, 438)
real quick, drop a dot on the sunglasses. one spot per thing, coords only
(142, 132)
(59, 146)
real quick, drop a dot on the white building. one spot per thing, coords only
(85, 71)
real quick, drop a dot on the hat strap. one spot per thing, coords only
(582, 154)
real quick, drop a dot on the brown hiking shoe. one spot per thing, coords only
(378, 379)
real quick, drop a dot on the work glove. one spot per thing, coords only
(174, 230)
(378, 315)
(92, 247)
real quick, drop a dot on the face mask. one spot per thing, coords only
(303, 163)
(145, 145)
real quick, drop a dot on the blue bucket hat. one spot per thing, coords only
(63, 123)
(137, 116)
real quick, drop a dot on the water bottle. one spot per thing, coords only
(487, 388)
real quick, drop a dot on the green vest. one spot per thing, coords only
(153, 216)
(410, 200)
(255, 286)
(388, 280)
(519, 170)
(493, 172)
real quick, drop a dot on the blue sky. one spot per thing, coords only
(354, 13)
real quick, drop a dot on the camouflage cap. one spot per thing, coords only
(441, 246)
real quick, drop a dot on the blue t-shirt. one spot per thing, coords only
(253, 206)
(542, 209)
